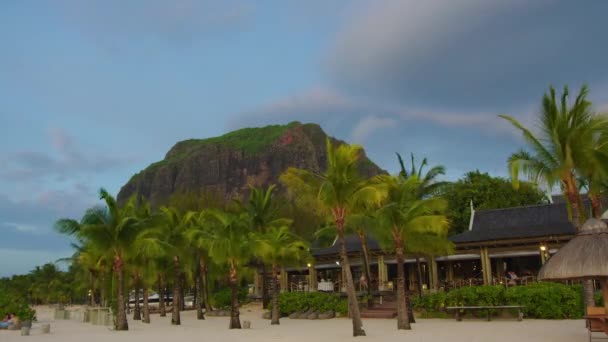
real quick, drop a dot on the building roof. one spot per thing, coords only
(353, 245)
(516, 223)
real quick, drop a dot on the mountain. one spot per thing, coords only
(230, 163)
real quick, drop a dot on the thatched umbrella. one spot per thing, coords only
(583, 257)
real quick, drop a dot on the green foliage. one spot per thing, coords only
(290, 302)
(598, 299)
(221, 298)
(44, 285)
(541, 300)
(16, 305)
(486, 192)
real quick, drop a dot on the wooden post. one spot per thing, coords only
(486, 266)
(450, 271)
(382, 273)
(434, 275)
(312, 278)
(284, 281)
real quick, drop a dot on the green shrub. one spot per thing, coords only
(18, 306)
(222, 297)
(290, 302)
(599, 299)
(541, 300)
(548, 300)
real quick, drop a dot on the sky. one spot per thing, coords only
(92, 92)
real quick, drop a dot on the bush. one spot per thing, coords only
(222, 297)
(541, 300)
(290, 302)
(18, 306)
(599, 299)
(548, 300)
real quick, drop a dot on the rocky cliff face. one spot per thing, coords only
(230, 163)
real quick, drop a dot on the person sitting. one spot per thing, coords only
(6, 322)
(512, 277)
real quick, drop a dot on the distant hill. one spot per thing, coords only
(229, 163)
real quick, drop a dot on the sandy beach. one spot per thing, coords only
(216, 329)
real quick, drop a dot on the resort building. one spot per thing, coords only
(502, 246)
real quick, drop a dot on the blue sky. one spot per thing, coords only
(91, 92)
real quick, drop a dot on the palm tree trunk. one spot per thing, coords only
(265, 294)
(205, 286)
(197, 288)
(353, 304)
(182, 288)
(175, 318)
(161, 297)
(235, 322)
(121, 315)
(403, 322)
(274, 314)
(102, 294)
(419, 273)
(367, 269)
(596, 205)
(137, 309)
(146, 306)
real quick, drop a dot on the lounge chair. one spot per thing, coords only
(597, 322)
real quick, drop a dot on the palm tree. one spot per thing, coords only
(172, 230)
(566, 133)
(199, 236)
(339, 189)
(278, 247)
(429, 186)
(263, 213)
(593, 171)
(404, 214)
(113, 229)
(229, 243)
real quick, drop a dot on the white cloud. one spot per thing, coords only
(24, 227)
(368, 125)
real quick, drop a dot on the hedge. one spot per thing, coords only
(290, 302)
(541, 300)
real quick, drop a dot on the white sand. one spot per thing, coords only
(216, 329)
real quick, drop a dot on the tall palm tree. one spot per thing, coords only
(114, 229)
(404, 214)
(199, 236)
(339, 189)
(172, 229)
(264, 213)
(278, 247)
(229, 243)
(565, 134)
(429, 186)
(559, 151)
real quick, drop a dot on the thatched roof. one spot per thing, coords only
(585, 256)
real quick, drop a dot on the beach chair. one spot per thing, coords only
(596, 322)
